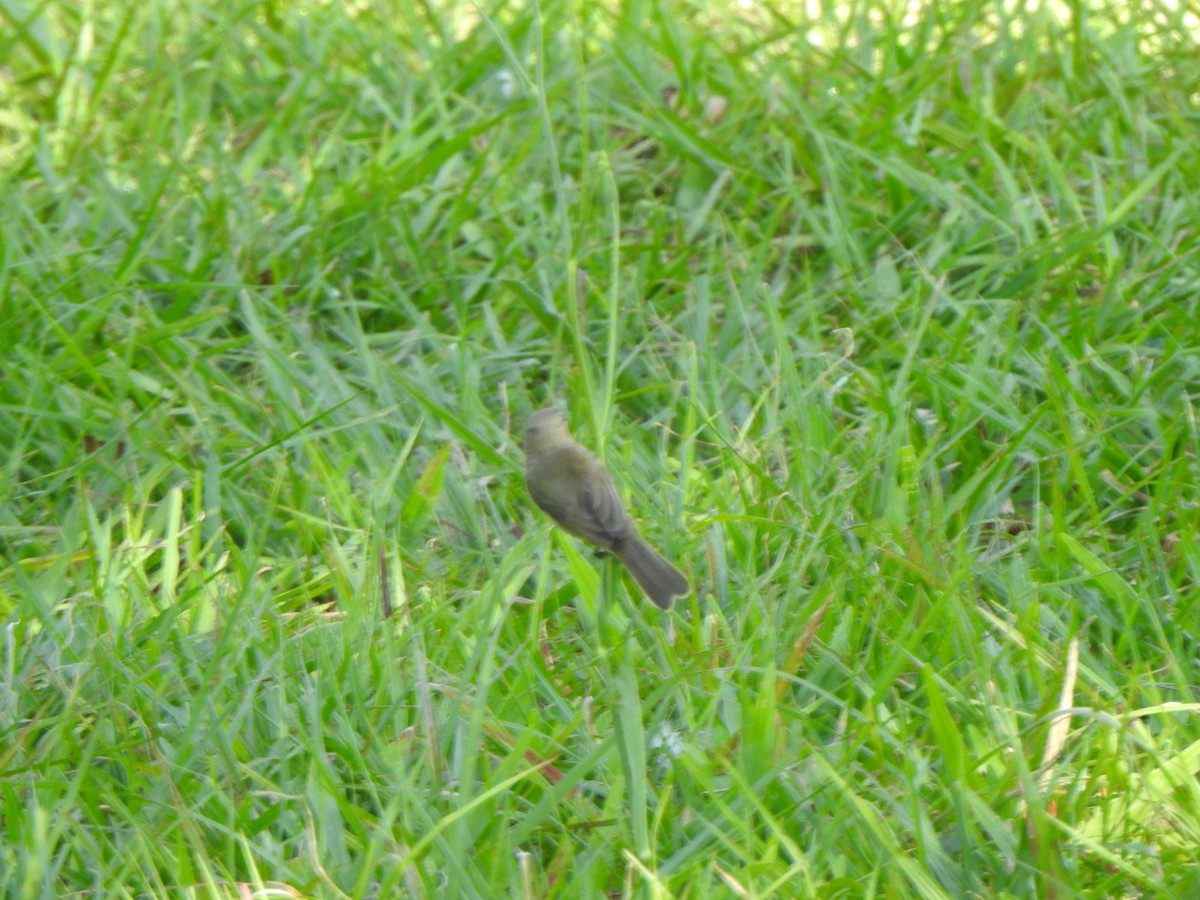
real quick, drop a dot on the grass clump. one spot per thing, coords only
(884, 319)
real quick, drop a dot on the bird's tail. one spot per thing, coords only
(661, 581)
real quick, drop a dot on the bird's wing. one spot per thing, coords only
(603, 502)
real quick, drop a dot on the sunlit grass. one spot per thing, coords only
(884, 319)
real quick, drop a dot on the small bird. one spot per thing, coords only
(575, 490)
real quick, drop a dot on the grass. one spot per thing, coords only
(885, 319)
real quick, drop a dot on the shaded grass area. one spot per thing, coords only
(885, 322)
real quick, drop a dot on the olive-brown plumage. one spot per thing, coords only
(575, 490)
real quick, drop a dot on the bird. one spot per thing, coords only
(571, 485)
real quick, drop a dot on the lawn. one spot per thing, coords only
(884, 316)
